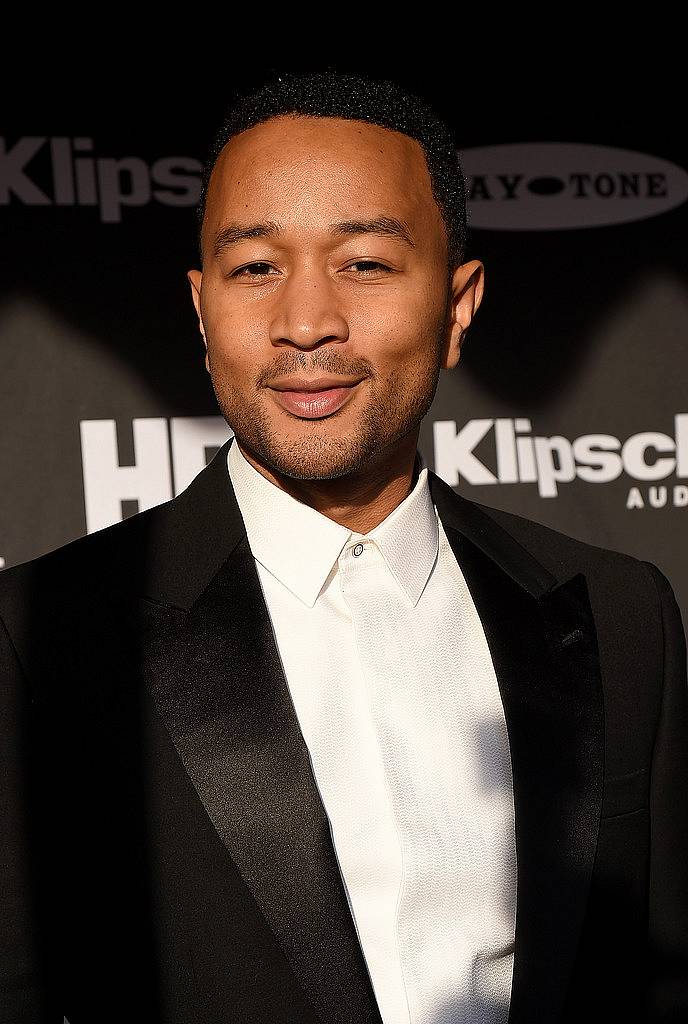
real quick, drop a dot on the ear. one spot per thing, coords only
(195, 278)
(468, 282)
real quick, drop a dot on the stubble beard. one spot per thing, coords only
(319, 452)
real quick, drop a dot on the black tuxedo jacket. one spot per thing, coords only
(165, 853)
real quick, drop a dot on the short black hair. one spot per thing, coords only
(360, 98)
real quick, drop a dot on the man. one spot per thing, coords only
(319, 739)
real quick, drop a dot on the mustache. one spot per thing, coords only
(310, 367)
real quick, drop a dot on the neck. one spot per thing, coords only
(359, 501)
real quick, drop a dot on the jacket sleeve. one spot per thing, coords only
(24, 989)
(668, 886)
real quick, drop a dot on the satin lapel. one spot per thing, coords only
(542, 639)
(218, 681)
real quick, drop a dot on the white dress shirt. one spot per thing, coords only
(395, 692)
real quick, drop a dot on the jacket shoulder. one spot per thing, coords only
(561, 552)
(90, 564)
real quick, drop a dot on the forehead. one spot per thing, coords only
(290, 167)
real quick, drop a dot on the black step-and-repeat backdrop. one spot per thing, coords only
(569, 405)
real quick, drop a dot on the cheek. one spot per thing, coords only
(223, 316)
(222, 320)
(405, 324)
(232, 334)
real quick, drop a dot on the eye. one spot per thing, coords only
(370, 267)
(256, 270)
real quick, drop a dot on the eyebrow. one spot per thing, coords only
(389, 227)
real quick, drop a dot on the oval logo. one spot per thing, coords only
(550, 186)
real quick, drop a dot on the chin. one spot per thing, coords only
(315, 459)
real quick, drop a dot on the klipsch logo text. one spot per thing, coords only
(59, 171)
(518, 457)
(545, 186)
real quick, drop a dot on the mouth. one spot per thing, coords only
(313, 405)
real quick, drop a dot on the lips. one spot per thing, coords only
(313, 405)
(322, 383)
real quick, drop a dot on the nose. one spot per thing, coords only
(308, 312)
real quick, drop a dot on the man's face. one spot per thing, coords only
(308, 300)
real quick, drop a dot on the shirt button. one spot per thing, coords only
(358, 550)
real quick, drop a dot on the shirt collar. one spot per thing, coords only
(302, 551)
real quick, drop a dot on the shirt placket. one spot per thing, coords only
(374, 602)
